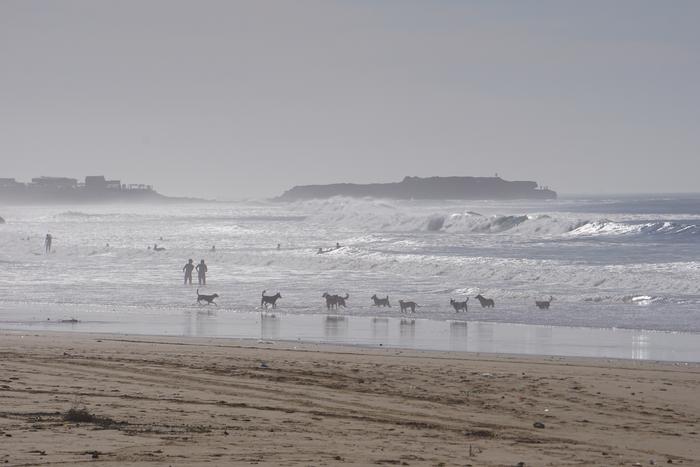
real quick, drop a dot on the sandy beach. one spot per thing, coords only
(176, 401)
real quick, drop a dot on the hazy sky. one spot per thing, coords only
(245, 99)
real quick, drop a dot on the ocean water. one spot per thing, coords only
(628, 262)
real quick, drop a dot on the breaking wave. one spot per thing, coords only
(80, 215)
(378, 215)
(656, 228)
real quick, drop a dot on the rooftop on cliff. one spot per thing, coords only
(95, 188)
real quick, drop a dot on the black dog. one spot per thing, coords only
(269, 299)
(333, 301)
(381, 301)
(459, 305)
(544, 304)
(341, 300)
(207, 298)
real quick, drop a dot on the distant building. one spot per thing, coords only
(139, 187)
(10, 183)
(95, 188)
(95, 182)
(55, 183)
(98, 182)
(114, 184)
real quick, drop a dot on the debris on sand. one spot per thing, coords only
(81, 415)
(538, 425)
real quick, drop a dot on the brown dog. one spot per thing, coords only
(485, 302)
(380, 301)
(406, 305)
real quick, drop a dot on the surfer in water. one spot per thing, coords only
(201, 273)
(189, 267)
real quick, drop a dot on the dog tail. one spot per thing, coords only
(263, 294)
(347, 295)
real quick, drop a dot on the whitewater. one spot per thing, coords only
(625, 262)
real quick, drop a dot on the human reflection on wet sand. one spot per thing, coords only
(206, 323)
(336, 326)
(199, 323)
(640, 346)
(270, 326)
(407, 330)
(187, 324)
(380, 328)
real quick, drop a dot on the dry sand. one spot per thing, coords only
(176, 401)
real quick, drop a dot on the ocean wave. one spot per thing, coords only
(607, 227)
(382, 215)
(80, 215)
(641, 300)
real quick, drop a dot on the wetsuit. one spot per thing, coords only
(202, 273)
(189, 267)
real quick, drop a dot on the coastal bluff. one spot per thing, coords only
(473, 188)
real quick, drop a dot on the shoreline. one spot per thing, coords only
(357, 312)
(204, 401)
(418, 333)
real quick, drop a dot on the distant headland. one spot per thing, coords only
(474, 188)
(95, 189)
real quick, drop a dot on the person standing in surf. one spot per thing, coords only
(202, 273)
(47, 243)
(189, 267)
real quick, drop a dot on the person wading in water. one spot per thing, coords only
(202, 273)
(47, 243)
(189, 267)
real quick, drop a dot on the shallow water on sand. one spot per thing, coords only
(390, 332)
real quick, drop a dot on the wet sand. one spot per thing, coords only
(408, 332)
(200, 401)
